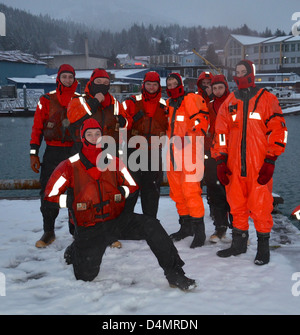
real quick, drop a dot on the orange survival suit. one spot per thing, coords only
(249, 127)
(188, 122)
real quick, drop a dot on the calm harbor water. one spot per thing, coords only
(15, 163)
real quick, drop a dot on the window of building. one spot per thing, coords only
(286, 47)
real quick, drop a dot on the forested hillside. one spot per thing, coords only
(44, 35)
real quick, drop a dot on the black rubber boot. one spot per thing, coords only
(199, 232)
(179, 280)
(263, 251)
(185, 230)
(47, 238)
(68, 254)
(238, 244)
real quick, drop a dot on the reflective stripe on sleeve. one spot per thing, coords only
(84, 104)
(285, 136)
(116, 107)
(128, 177)
(58, 184)
(222, 139)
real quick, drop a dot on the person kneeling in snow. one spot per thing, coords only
(95, 198)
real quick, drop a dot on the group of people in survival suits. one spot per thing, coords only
(243, 134)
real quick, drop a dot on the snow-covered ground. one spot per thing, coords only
(38, 281)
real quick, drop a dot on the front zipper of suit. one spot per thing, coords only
(100, 195)
(244, 135)
(172, 124)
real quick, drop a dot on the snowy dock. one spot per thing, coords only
(130, 282)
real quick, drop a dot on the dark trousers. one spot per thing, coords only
(90, 243)
(52, 157)
(216, 194)
(149, 188)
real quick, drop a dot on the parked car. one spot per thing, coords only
(280, 92)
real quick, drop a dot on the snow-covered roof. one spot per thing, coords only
(122, 56)
(19, 57)
(249, 40)
(118, 73)
(278, 39)
(294, 38)
(36, 80)
(120, 76)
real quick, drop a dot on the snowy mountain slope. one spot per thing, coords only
(130, 282)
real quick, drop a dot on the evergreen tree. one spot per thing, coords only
(211, 55)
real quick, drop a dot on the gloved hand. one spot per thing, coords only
(35, 163)
(267, 170)
(222, 170)
(121, 120)
(138, 115)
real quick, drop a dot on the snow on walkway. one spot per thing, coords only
(130, 282)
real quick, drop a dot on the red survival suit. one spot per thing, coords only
(50, 118)
(201, 88)
(51, 123)
(97, 196)
(148, 111)
(109, 113)
(249, 127)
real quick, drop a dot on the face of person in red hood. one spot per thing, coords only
(175, 87)
(219, 90)
(98, 83)
(245, 74)
(65, 84)
(65, 75)
(90, 132)
(219, 86)
(67, 79)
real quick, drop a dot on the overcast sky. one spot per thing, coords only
(117, 14)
